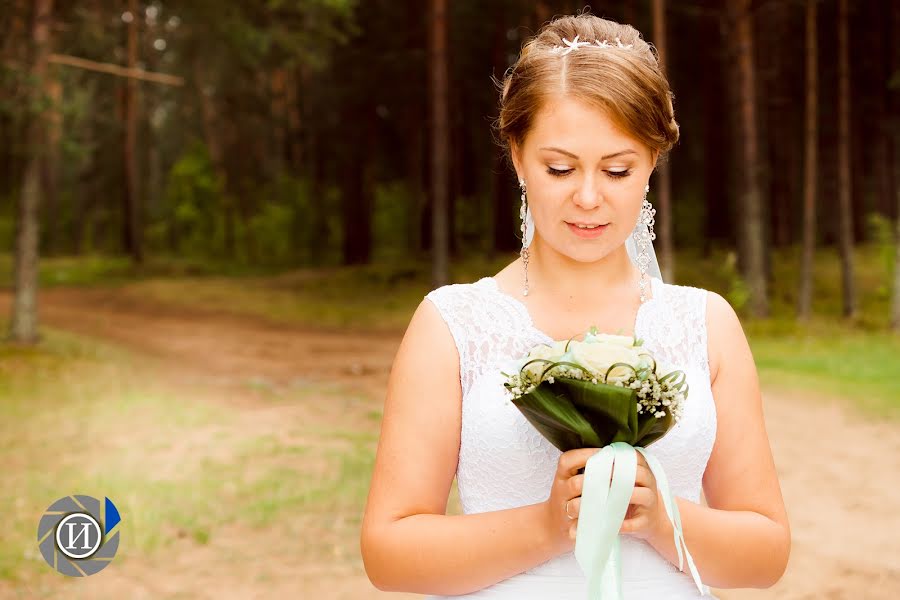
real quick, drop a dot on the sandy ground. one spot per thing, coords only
(839, 472)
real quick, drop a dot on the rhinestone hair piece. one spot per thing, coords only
(575, 44)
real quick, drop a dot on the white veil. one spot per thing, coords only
(633, 250)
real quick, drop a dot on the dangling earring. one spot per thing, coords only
(644, 236)
(527, 233)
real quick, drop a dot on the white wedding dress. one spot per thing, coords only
(505, 463)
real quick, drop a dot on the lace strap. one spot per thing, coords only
(456, 305)
(688, 305)
(485, 329)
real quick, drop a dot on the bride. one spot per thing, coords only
(585, 114)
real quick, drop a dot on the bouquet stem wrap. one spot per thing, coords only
(603, 508)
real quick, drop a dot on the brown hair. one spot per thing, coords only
(626, 83)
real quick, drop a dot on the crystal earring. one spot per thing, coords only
(644, 235)
(527, 233)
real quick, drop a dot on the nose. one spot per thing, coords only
(588, 196)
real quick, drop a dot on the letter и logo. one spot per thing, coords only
(78, 535)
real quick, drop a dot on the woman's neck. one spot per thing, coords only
(577, 284)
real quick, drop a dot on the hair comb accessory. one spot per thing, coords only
(575, 44)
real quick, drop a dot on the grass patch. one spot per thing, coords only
(857, 366)
(826, 354)
(87, 418)
(105, 270)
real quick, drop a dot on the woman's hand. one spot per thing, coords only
(646, 515)
(645, 518)
(567, 486)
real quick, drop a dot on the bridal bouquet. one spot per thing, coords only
(609, 392)
(591, 393)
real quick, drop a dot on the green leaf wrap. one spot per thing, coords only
(573, 413)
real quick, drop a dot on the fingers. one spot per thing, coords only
(576, 485)
(572, 460)
(575, 507)
(644, 477)
(642, 496)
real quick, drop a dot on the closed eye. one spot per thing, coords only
(611, 174)
(558, 172)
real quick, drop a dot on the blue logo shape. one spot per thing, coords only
(112, 516)
(78, 536)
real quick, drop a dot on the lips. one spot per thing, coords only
(587, 224)
(587, 233)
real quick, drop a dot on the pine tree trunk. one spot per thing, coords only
(131, 218)
(895, 313)
(24, 321)
(50, 166)
(751, 198)
(894, 24)
(439, 141)
(664, 182)
(804, 297)
(503, 238)
(844, 186)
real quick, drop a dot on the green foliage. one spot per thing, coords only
(737, 292)
(193, 205)
(281, 224)
(881, 232)
(391, 220)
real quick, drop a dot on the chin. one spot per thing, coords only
(586, 254)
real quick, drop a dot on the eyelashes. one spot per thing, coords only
(610, 174)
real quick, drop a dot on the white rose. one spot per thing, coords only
(598, 357)
(551, 352)
(607, 338)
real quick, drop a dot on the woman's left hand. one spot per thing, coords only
(646, 514)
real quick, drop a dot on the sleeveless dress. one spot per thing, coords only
(505, 463)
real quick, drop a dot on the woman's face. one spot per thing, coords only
(580, 169)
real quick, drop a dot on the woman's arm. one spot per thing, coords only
(408, 543)
(743, 538)
(456, 554)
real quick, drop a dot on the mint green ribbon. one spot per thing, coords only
(603, 508)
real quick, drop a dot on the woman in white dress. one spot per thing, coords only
(585, 115)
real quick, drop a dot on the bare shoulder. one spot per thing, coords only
(724, 330)
(418, 448)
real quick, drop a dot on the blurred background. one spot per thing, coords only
(216, 219)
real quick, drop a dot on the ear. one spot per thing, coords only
(515, 153)
(655, 156)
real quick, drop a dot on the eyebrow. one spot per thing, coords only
(567, 153)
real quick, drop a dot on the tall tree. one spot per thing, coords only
(502, 185)
(804, 298)
(664, 184)
(894, 87)
(24, 322)
(895, 312)
(845, 208)
(750, 212)
(439, 142)
(132, 230)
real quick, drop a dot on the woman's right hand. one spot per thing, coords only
(567, 486)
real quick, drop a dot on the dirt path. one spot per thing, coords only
(838, 472)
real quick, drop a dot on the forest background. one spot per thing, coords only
(216, 219)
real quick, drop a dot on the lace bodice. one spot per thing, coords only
(505, 463)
